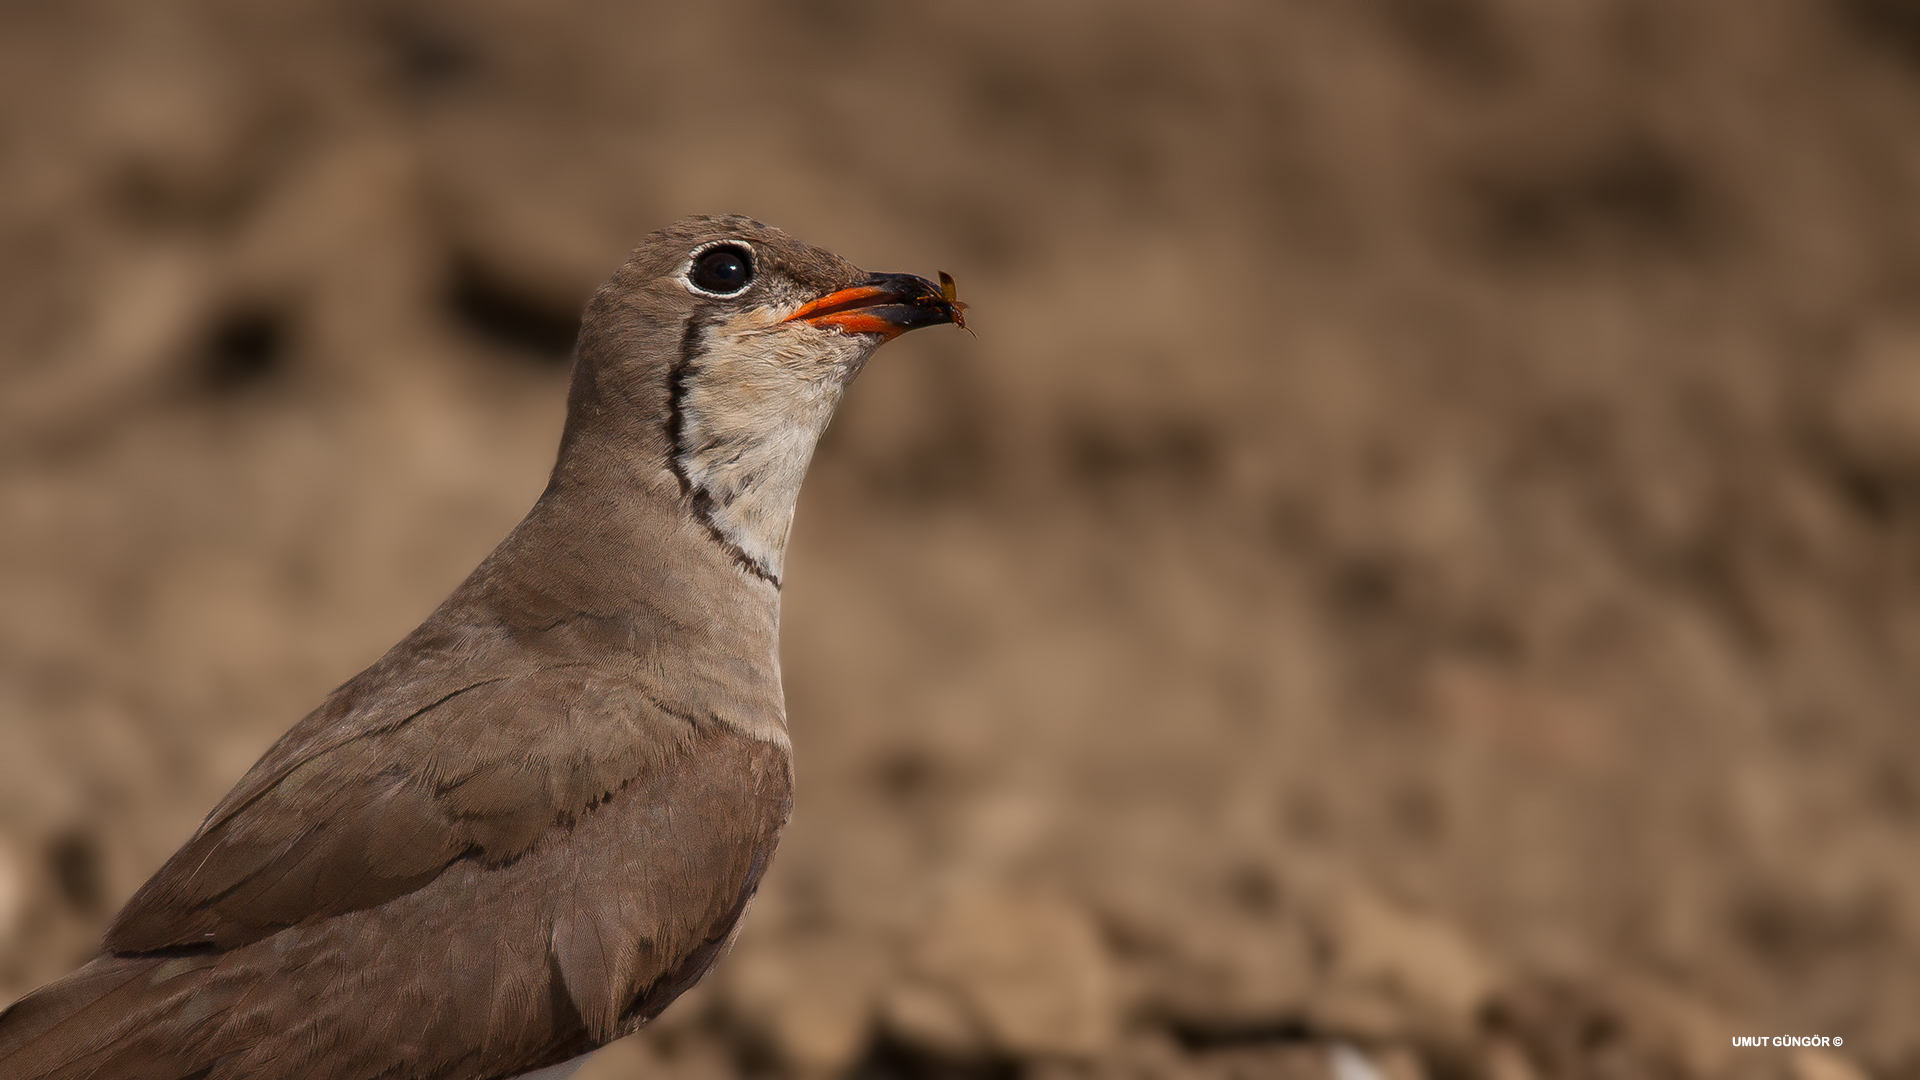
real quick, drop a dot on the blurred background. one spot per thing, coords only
(1418, 575)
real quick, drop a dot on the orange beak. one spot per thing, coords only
(885, 304)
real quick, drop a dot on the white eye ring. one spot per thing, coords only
(693, 258)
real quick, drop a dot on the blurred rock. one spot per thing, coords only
(812, 1000)
(1030, 970)
(1347, 1062)
(1823, 1065)
(1673, 1021)
(1237, 973)
(1564, 1029)
(1876, 405)
(1397, 1062)
(527, 234)
(1206, 963)
(177, 130)
(1434, 967)
(934, 1018)
(1505, 1061)
(646, 1057)
(1365, 1013)
(139, 322)
(347, 237)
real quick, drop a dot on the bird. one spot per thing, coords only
(540, 817)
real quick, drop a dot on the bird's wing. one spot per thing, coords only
(349, 811)
(513, 895)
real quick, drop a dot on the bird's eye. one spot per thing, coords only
(724, 270)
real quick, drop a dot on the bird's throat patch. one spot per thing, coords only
(750, 401)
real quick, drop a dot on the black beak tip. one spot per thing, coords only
(921, 302)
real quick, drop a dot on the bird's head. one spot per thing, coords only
(721, 349)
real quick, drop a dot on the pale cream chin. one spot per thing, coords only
(753, 413)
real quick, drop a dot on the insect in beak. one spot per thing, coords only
(951, 294)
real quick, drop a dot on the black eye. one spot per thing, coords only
(723, 270)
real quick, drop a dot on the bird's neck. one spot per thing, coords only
(670, 508)
(610, 567)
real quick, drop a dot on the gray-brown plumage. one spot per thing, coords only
(539, 818)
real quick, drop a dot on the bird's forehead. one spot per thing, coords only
(668, 251)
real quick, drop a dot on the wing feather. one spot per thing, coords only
(372, 810)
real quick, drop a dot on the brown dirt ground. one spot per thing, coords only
(1421, 562)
